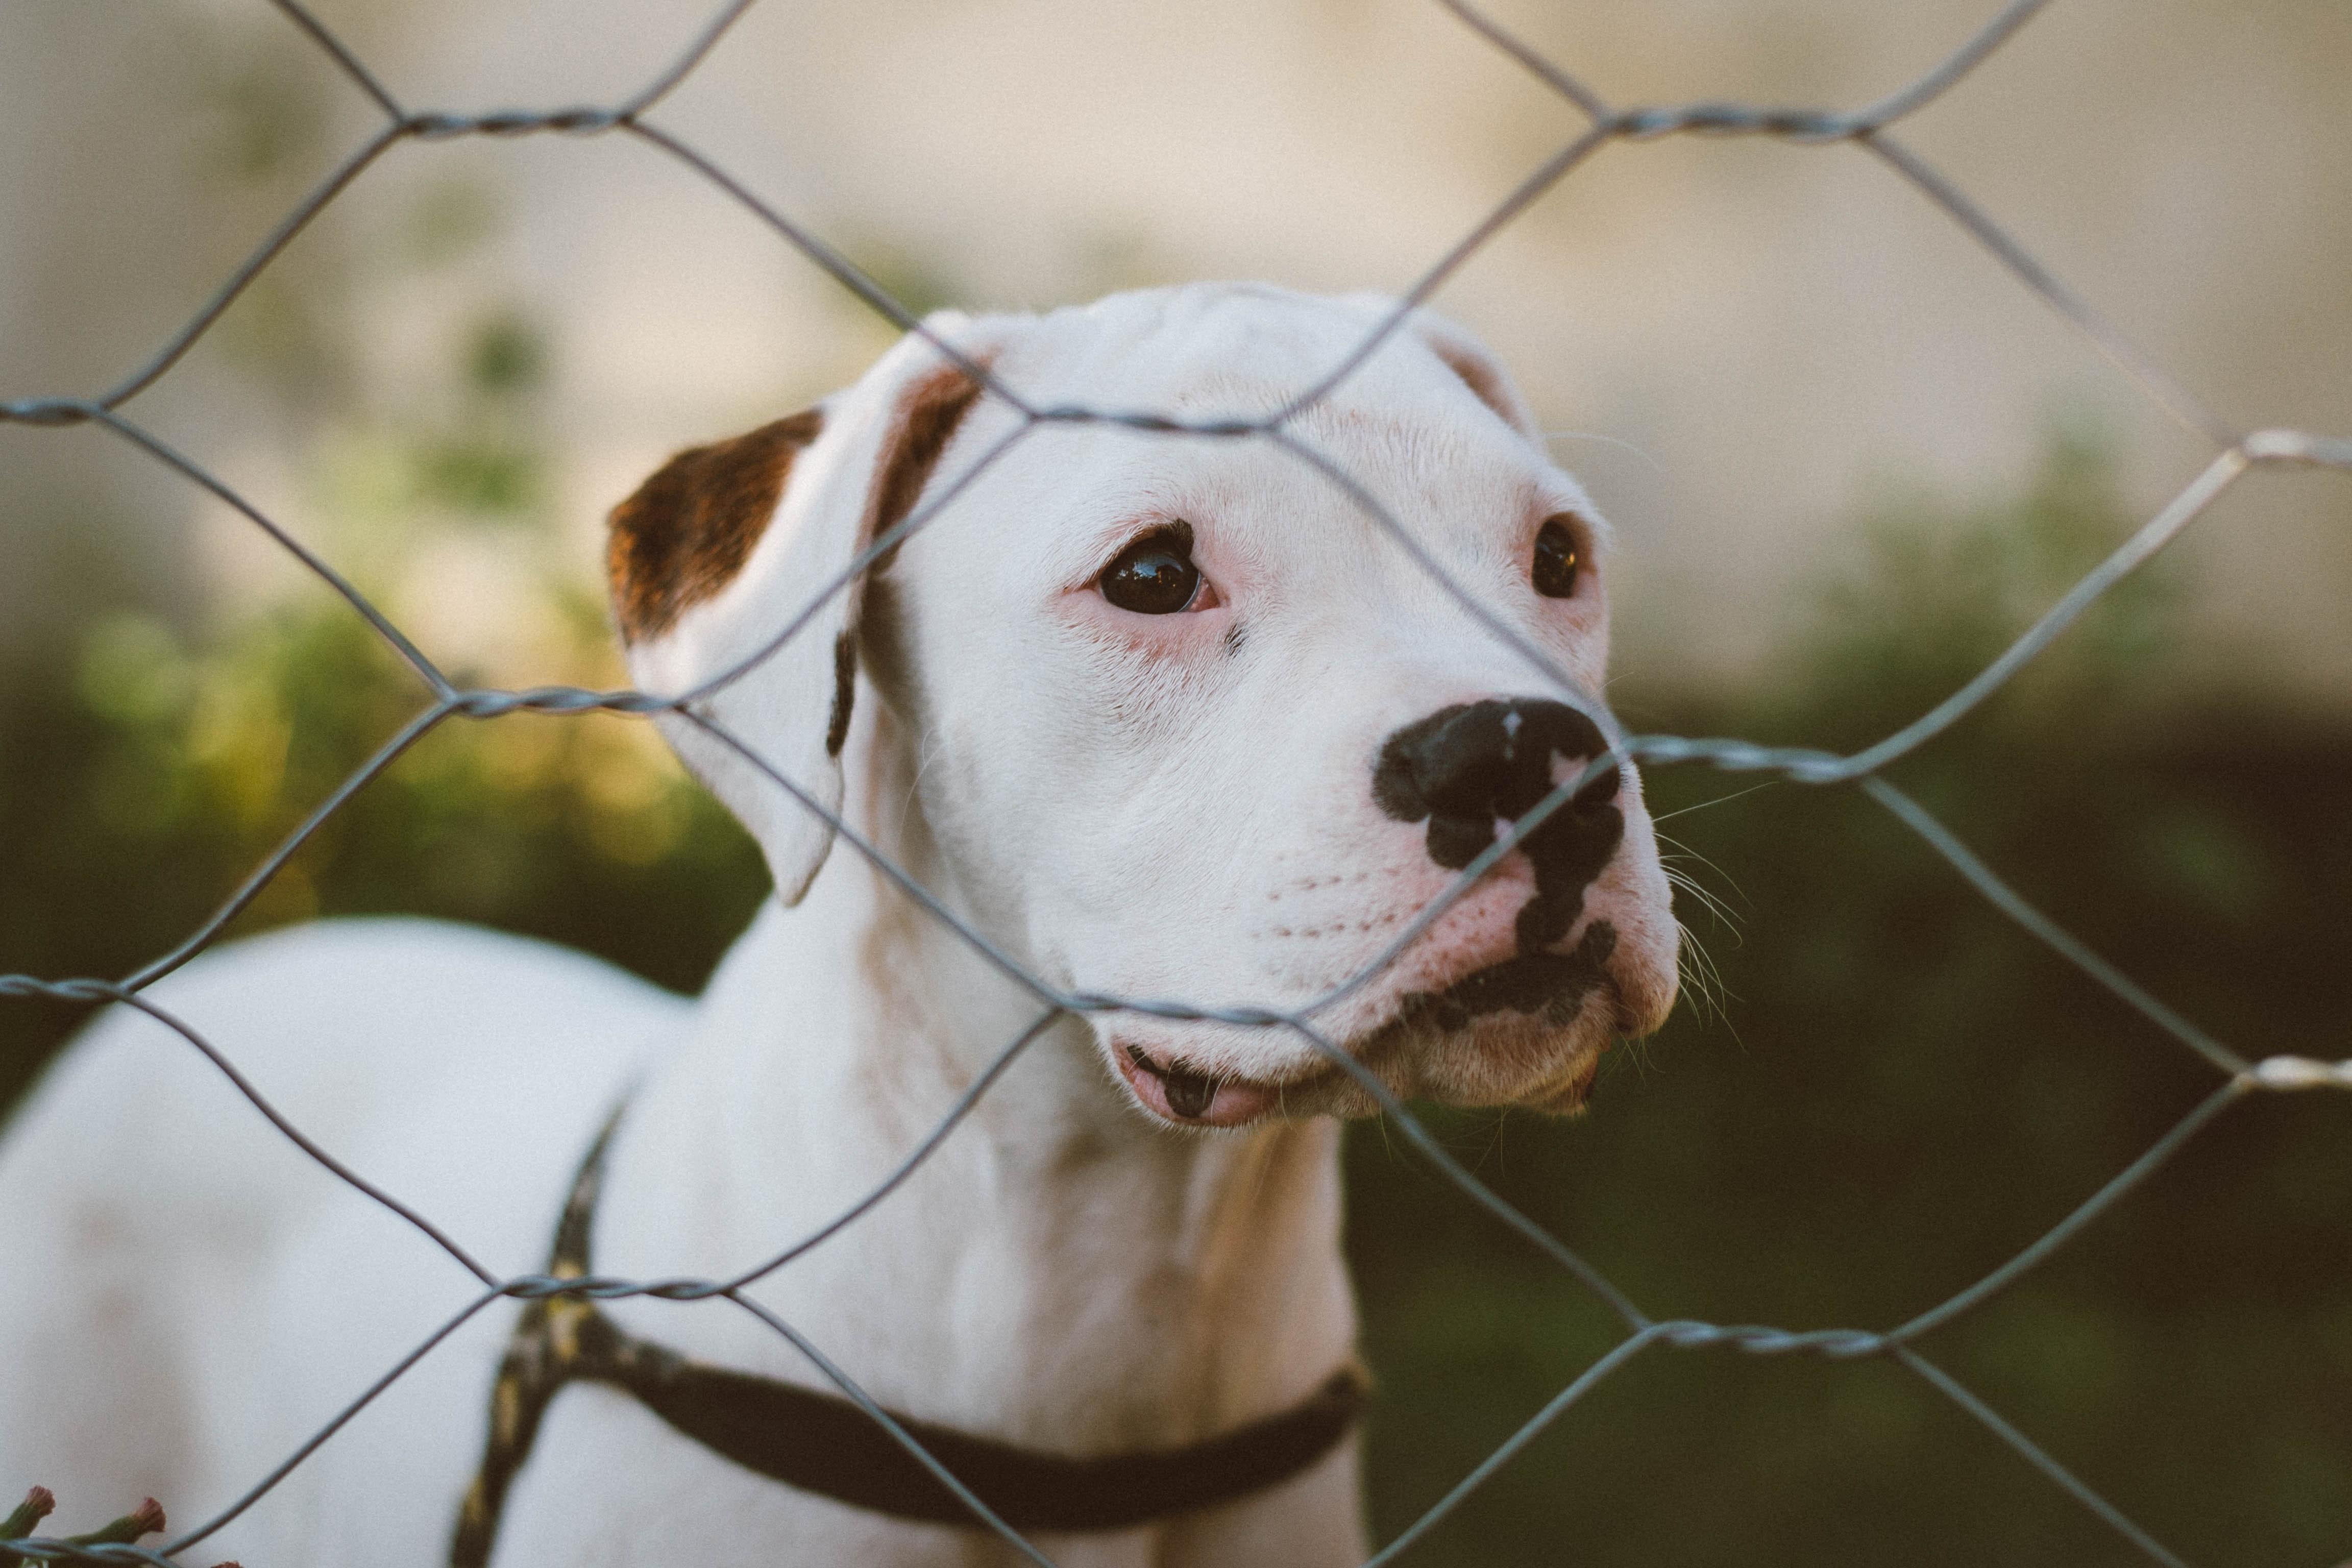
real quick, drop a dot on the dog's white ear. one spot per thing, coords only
(727, 546)
(1480, 371)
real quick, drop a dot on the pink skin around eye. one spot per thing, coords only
(1181, 635)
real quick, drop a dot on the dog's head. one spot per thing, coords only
(1181, 720)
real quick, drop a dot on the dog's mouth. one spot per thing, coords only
(1550, 986)
(1546, 992)
(1177, 1092)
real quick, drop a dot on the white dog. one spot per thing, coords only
(1160, 716)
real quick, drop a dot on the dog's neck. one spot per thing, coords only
(1060, 1272)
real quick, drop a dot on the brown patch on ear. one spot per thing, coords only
(689, 529)
(1483, 380)
(928, 412)
(845, 691)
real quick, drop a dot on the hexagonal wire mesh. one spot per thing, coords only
(2235, 452)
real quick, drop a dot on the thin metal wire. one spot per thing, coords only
(381, 624)
(2064, 942)
(2097, 1204)
(898, 1434)
(1946, 74)
(913, 1160)
(2033, 1454)
(2236, 454)
(2105, 335)
(202, 936)
(345, 61)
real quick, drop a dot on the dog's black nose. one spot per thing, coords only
(1465, 766)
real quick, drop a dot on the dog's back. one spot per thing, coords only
(178, 1305)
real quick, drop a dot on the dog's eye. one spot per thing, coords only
(1153, 576)
(1555, 564)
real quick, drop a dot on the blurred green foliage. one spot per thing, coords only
(1893, 1091)
(142, 787)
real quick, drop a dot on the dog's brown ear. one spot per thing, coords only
(729, 547)
(687, 532)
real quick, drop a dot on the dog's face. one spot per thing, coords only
(1189, 724)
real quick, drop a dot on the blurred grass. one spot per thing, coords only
(1896, 1090)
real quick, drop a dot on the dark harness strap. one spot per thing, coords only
(824, 1443)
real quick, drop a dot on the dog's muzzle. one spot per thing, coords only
(1471, 771)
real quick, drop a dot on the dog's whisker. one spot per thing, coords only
(1703, 980)
(1725, 916)
(1718, 800)
(1707, 901)
(1684, 852)
(1656, 466)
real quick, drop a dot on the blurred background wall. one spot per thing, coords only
(1761, 336)
(1848, 455)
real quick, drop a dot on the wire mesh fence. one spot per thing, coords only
(2234, 453)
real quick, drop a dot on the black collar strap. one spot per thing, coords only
(823, 1444)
